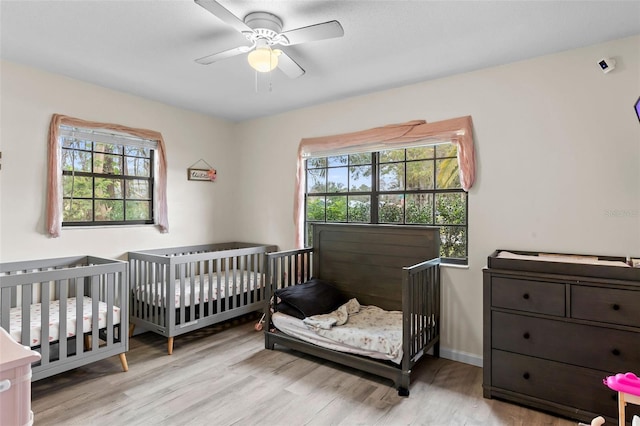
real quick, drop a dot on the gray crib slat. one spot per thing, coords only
(45, 302)
(219, 294)
(181, 272)
(5, 307)
(201, 278)
(80, 286)
(191, 271)
(212, 294)
(27, 295)
(109, 297)
(95, 311)
(62, 290)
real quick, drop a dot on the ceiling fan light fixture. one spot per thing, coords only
(263, 58)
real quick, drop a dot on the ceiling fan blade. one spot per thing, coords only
(206, 60)
(315, 32)
(289, 66)
(224, 15)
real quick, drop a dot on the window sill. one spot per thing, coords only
(69, 228)
(454, 266)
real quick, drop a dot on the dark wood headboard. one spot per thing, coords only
(365, 261)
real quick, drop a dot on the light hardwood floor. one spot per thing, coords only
(223, 375)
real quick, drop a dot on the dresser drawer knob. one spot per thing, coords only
(525, 376)
(616, 352)
(526, 335)
(525, 296)
(616, 307)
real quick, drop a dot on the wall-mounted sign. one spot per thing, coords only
(208, 175)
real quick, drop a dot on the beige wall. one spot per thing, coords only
(198, 211)
(557, 143)
(558, 150)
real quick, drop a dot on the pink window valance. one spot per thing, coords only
(455, 130)
(54, 178)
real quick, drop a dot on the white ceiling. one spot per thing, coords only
(148, 47)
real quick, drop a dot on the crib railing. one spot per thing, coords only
(421, 310)
(29, 286)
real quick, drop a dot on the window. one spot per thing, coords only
(104, 174)
(107, 178)
(419, 185)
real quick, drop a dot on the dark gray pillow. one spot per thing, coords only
(311, 298)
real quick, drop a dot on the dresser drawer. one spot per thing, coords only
(577, 344)
(526, 295)
(606, 305)
(558, 383)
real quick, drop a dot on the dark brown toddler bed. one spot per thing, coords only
(181, 289)
(395, 268)
(47, 304)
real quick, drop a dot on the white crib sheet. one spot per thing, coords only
(244, 281)
(372, 332)
(15, 322)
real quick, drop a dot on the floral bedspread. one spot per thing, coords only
(365, 327)
(35, 319)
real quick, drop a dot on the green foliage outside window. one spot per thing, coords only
(106, 182)
(414, 186)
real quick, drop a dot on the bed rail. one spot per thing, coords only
(421, 311)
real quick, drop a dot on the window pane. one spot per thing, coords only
(453, 241)
(339, 160)
(109, 210)
(315, 208)
(138, 210)
(337, 179)
(137, 167)
(392, 155)
(446, 150)
(316, 162)
(76, 144)
(451, 209)
(360, 208)
(77, 210)
(108, 148)
(357, 159)
(77, 186)
(80, 161)
(420, 153)
(137, 189)
(106, 163)
(136, 151)
(360, 178)
(448, 174)
(337, 208)
(391, 177)
(420, 175)
(316, 180)
(419, 208)
(108, 188)
(390, 208)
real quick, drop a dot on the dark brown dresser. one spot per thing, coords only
(554, 330)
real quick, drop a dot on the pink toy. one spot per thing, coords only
(627, 383)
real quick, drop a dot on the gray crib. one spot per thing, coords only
(182, 289)
(71, 310)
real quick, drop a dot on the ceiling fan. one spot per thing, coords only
(264, 30)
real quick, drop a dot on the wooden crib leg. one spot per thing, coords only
(621, 406)
(170, 345)
(123, 361)
(131, 328)
(87, 342)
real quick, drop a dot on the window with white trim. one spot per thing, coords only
(107, 178)
(417, 185)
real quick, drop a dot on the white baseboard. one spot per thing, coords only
(460, 356)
